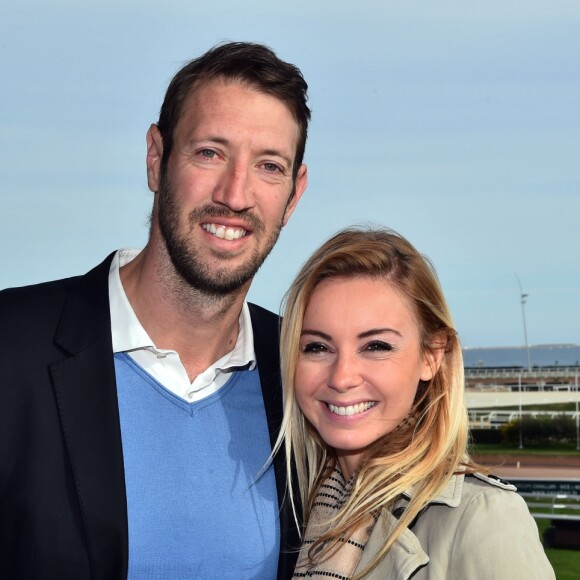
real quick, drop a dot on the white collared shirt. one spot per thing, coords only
(165, 365)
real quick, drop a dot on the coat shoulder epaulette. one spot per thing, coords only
(495, 481)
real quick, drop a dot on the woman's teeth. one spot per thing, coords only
(351, 409)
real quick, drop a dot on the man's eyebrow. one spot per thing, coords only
(194, 141)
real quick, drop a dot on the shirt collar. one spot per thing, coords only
(128, 334)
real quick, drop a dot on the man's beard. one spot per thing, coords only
(210, 280)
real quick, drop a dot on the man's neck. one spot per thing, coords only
(200, 327)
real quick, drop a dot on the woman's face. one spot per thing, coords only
(359, 365)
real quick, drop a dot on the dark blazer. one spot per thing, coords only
(63, 511)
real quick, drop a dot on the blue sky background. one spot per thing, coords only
(456, 123)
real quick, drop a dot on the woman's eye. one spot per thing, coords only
(378, 346)
(314, 348)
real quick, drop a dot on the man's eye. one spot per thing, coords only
(207, 153)
(378, 346)
(272, 168)
(314, 348)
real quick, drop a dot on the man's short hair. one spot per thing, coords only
(255, 65)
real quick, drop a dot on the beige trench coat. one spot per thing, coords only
(478, 528)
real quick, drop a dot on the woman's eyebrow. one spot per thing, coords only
(318, 333)
(365, 334)
(374, 331)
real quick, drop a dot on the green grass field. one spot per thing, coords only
(566, 563)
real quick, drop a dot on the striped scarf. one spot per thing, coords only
(341, 564)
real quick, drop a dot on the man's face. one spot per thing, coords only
(225, 194)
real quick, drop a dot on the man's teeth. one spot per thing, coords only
(225, 233)
(351, 409)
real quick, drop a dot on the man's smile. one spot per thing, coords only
(225, 232)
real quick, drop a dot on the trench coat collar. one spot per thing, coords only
(406, 555)
(450, 495)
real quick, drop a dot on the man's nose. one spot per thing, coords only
(234, 189)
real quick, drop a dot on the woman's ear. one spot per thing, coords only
(432, 358)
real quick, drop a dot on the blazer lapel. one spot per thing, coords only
(265, 326)
(85, 389)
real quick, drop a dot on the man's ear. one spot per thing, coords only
(154, 156)
(432, 359)
(300, 184)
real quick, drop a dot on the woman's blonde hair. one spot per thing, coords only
(430, 445)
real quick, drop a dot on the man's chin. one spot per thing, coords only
(218, 282)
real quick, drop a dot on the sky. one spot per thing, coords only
(456, 123)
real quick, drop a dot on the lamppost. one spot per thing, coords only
(523, 302)
(520, 421)
(577, 417)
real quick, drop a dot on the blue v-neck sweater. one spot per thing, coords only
(196, 508)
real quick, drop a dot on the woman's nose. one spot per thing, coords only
(345, 374)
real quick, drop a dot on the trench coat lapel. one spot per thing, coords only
(403, 559)
(85, 388)
(406, 556)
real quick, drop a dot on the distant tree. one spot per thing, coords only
(539, 431)
(510, 433)
(564, 429)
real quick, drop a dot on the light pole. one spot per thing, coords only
(523, 302)
(577, 417)
(520, 421)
